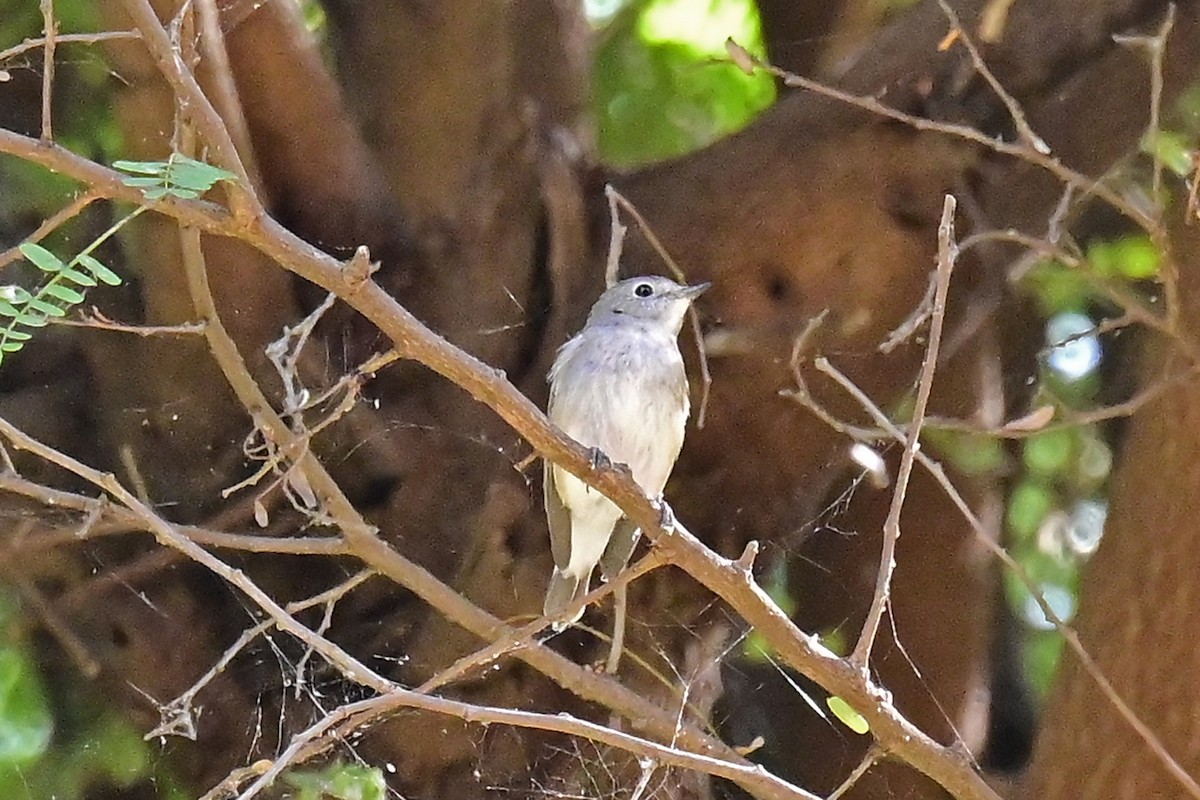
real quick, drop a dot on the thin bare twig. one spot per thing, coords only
(197, 108)
(521, 637)
(96, 319)
(66, 38)
(1018, 429)
(121, 520)
(947, 253)
(1155, 45)
(1153, 743)
(739, 55)
(177, 717)
(50, 225)
(168, 535)
(1024, 130)
(869, 760)
(753, 777)
(616, 241)
(50, 27)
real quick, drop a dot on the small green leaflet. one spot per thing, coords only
(178, 176)
(846, 713)
(41, 258)
(102, 273)
(53, 299)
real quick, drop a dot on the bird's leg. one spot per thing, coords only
(666, 517)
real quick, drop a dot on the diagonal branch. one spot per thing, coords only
(414, 341)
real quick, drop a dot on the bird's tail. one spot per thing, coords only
(563, 589)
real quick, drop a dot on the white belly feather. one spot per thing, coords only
(626, 394)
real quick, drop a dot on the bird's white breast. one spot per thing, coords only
(623, 390)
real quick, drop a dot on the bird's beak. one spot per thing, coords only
(692, 292)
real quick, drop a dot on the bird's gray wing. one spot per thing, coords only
(557, 518)
(624, 538)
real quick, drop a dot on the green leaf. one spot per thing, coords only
(15, 294)
(49, 309)
(142, 167)
(185, 194)
(10, 346)
(971, 453)
(41, 258)
(7, 309)
(64, 293)
(102, 273)
(1057, 287)
(143, 182)
(78, 278)
(662, 86)
(18, 336)
(846, 713)
(339, 782)
(1102, 256)
(192, 174)
(30, 320)
(157, 193)
(25, 720)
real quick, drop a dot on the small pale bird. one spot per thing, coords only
(619, 387)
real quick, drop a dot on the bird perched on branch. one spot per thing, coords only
(620, 388)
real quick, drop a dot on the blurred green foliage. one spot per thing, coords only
(25, 720)
(755, 647)
(338, 781)
(662, 87)
(1055, 511)
(60, 753)
(105, 751)
(82, 115)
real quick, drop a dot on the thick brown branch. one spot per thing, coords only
(416, 342)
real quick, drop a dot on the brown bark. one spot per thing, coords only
(1137, 612)
(1139, 599)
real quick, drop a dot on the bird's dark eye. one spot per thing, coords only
(644, 290)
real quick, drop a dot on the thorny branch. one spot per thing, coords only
(729, 579)
(413, 341)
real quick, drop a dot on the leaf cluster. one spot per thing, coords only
(67, 281)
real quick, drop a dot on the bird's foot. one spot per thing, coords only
(666, 517)
(598, 459)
